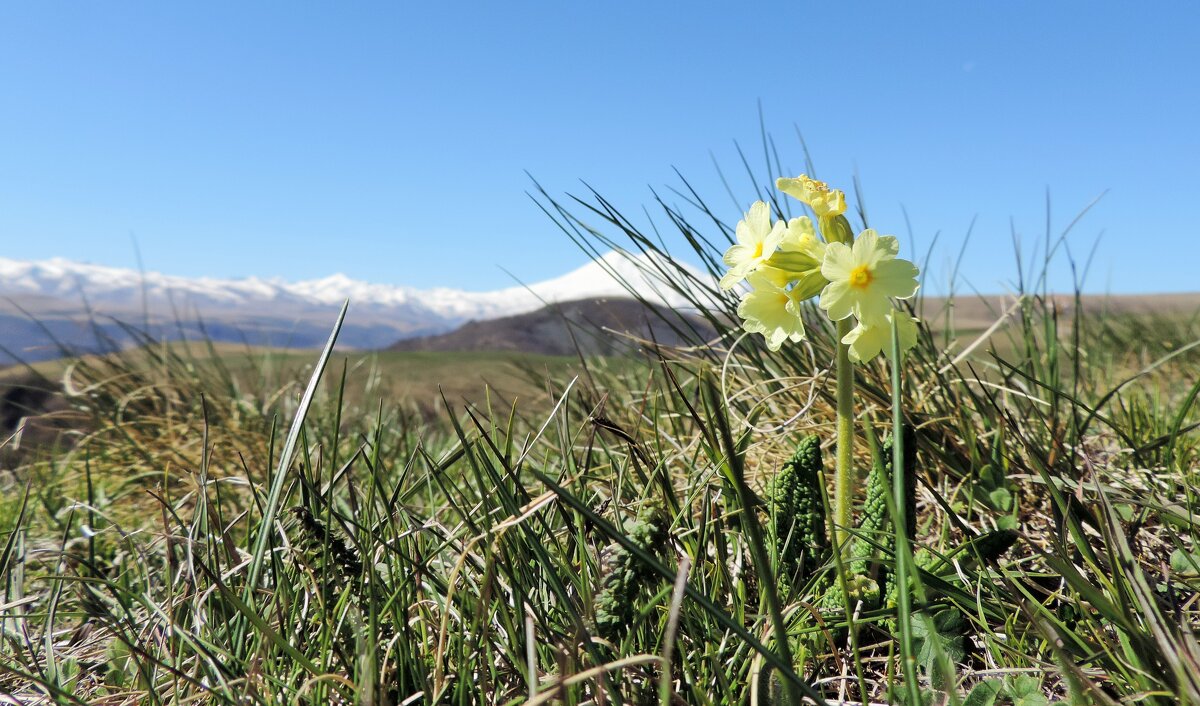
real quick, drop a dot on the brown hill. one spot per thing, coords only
(969, 311)
(592, 326)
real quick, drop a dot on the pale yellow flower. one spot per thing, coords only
(798, 259)
(866, 342)
(757, 240)
(862, 277)
(801, 237)
(817, 194)
(772, 311)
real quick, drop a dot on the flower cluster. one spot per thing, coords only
(788, 263)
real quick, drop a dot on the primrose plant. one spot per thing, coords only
(856, 278)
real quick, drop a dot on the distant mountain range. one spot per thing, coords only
(87, 307)
(54, 307)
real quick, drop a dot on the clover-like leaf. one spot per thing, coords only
(944, 632)
(1025, 690)
(984, 693)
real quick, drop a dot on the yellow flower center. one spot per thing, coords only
(860, 277)
(758, 248)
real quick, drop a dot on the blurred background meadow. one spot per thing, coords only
(376, 354)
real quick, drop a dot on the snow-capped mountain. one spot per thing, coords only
(71, 297)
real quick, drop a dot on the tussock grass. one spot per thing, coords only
(229, 539)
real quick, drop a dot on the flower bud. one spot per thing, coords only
(836, 229)
(793, 262)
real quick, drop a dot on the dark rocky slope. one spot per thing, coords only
(592, 326)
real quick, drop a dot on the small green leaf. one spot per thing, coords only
(119, 662)
(69, 671)
(1026, 691)
(984, 693)
(945, 632)
(1001, 499)
(1185, 563)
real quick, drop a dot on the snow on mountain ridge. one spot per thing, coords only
(122, 288)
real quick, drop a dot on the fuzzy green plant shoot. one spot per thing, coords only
(798, 511)
(625, 577)
(856, 279)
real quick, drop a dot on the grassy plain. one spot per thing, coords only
(417, 377)
(249, 527)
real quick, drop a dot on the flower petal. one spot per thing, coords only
(737, 254)
(888, 244)
(800, 188)
(799, 232)
(758, 218)
(773, 238)
(839, 260)
(768, 310)
(832, 203)
(866, 249)
(895, 278)
(872, 306)
(836, 300)
(766, 281)
(866, 342)
(906, 328)
(730, 279)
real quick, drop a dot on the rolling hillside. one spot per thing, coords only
(603, 326)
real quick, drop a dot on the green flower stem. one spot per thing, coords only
(904, 560)
(843, 484)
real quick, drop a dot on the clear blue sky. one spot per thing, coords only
(390, 141)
